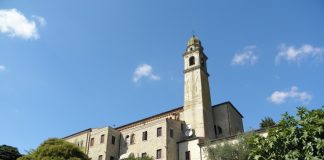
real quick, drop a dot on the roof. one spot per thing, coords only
(258, 131)
(151, 117)
(77, 133)
(189, 139)
(170, 111)
(154, 116)
(228, 102)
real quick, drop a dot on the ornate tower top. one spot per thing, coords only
(194, 56)
(194, 44)
(194, 41)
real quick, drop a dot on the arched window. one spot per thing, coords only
(191, 60)
(220, 131)
(132, 139)
(127, 139)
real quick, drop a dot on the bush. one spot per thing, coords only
(132, 157)
(9, 153)
(225, 150)
(56, 149)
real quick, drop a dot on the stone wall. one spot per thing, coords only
(228, 119)
(178, 135)
(81, 140)
(191, 146)
(149, 146)
(236, 121)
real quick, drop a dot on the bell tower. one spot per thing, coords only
(197, 102)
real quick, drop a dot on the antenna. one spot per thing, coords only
(193, 33)
(188, 127)
(189, 131)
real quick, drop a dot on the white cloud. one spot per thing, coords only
(292, 54)
(3, 68)
(15, 24)
(144, 70)
(279, 97)
(246, 57)
(41, 20)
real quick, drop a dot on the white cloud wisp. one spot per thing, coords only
(2, 68)
(297, 55)
(279, 97)
(41, 20)
(144, 70)
(15, 24)
(247, 57)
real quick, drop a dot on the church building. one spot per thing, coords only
(177, 134)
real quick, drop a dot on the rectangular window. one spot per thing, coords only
(112, 158)
(188, 155)
(113, 139)
(100, 157)
(171, 133)
(92, 141)
(182, 126)
(102, 138)
(159, 132)
(144, 136)
(158, 153)
(144, 154)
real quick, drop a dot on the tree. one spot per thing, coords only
(132, 157)
(299, 137)
(236, 150)
(267, 122)
(56, 149)
(9, 153)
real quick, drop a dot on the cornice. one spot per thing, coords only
(196, 67)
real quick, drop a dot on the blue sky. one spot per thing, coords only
(66, 66)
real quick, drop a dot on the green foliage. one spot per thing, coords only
(9, 153)
(26, 157)
(267, 122)
(132, 157)
(56, 149)
(224, 150)
(299, 138)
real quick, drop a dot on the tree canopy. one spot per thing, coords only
(267, 122)
(299, 137)
(9, 153)
(56, 149)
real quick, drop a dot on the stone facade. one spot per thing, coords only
(97, 142)
(227, 120)
(172, 135)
